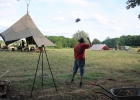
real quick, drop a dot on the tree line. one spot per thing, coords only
(124, 40)
(63, 42)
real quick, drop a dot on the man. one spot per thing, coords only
(79, 55)
(23, 44)
(116, 48)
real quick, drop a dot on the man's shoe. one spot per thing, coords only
(72, 80)
(80, 85)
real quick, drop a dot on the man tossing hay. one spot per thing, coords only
(79, 55)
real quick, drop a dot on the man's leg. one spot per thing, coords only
(82, 69)
(75, 68)
(81, 78)
(72, 79)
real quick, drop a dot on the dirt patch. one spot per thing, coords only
(69, 91)
(135, 72)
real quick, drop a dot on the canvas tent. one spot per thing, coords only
(99, 47)
(25, 28)
(126, 47)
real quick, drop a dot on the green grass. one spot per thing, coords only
(99, 65)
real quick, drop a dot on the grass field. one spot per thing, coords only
(108, 68)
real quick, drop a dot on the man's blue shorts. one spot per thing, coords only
(79, 64)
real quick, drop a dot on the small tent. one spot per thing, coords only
(25, 28)
(99, 47)
(126, 47)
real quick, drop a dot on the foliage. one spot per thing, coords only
(1, 41)
(96, 41)
(73, 42)
(60, 41)
(127, 40)
(63, 42)
(133, 4)
(110, 42)
(79, 34)
(130, 40)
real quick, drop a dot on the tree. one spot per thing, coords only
(60, 41)
(107, 38)
(111, 42)
(59, 44)
(133, 4)
(73, 42)
(79, 34)
(122, 40)
(96, 41)
(63, 42)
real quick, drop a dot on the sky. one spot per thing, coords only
(99, 18)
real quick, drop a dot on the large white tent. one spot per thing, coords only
(25, 28)
(99, 47)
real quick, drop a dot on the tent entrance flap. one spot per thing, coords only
(30, 40)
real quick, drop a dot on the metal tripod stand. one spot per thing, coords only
(41, 53)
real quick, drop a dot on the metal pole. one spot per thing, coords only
(35, 74)
(50, 71)
(27, 8)
(42, 66)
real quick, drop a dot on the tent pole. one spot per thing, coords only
(27, 8)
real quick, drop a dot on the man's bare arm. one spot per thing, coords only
(89, 41)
